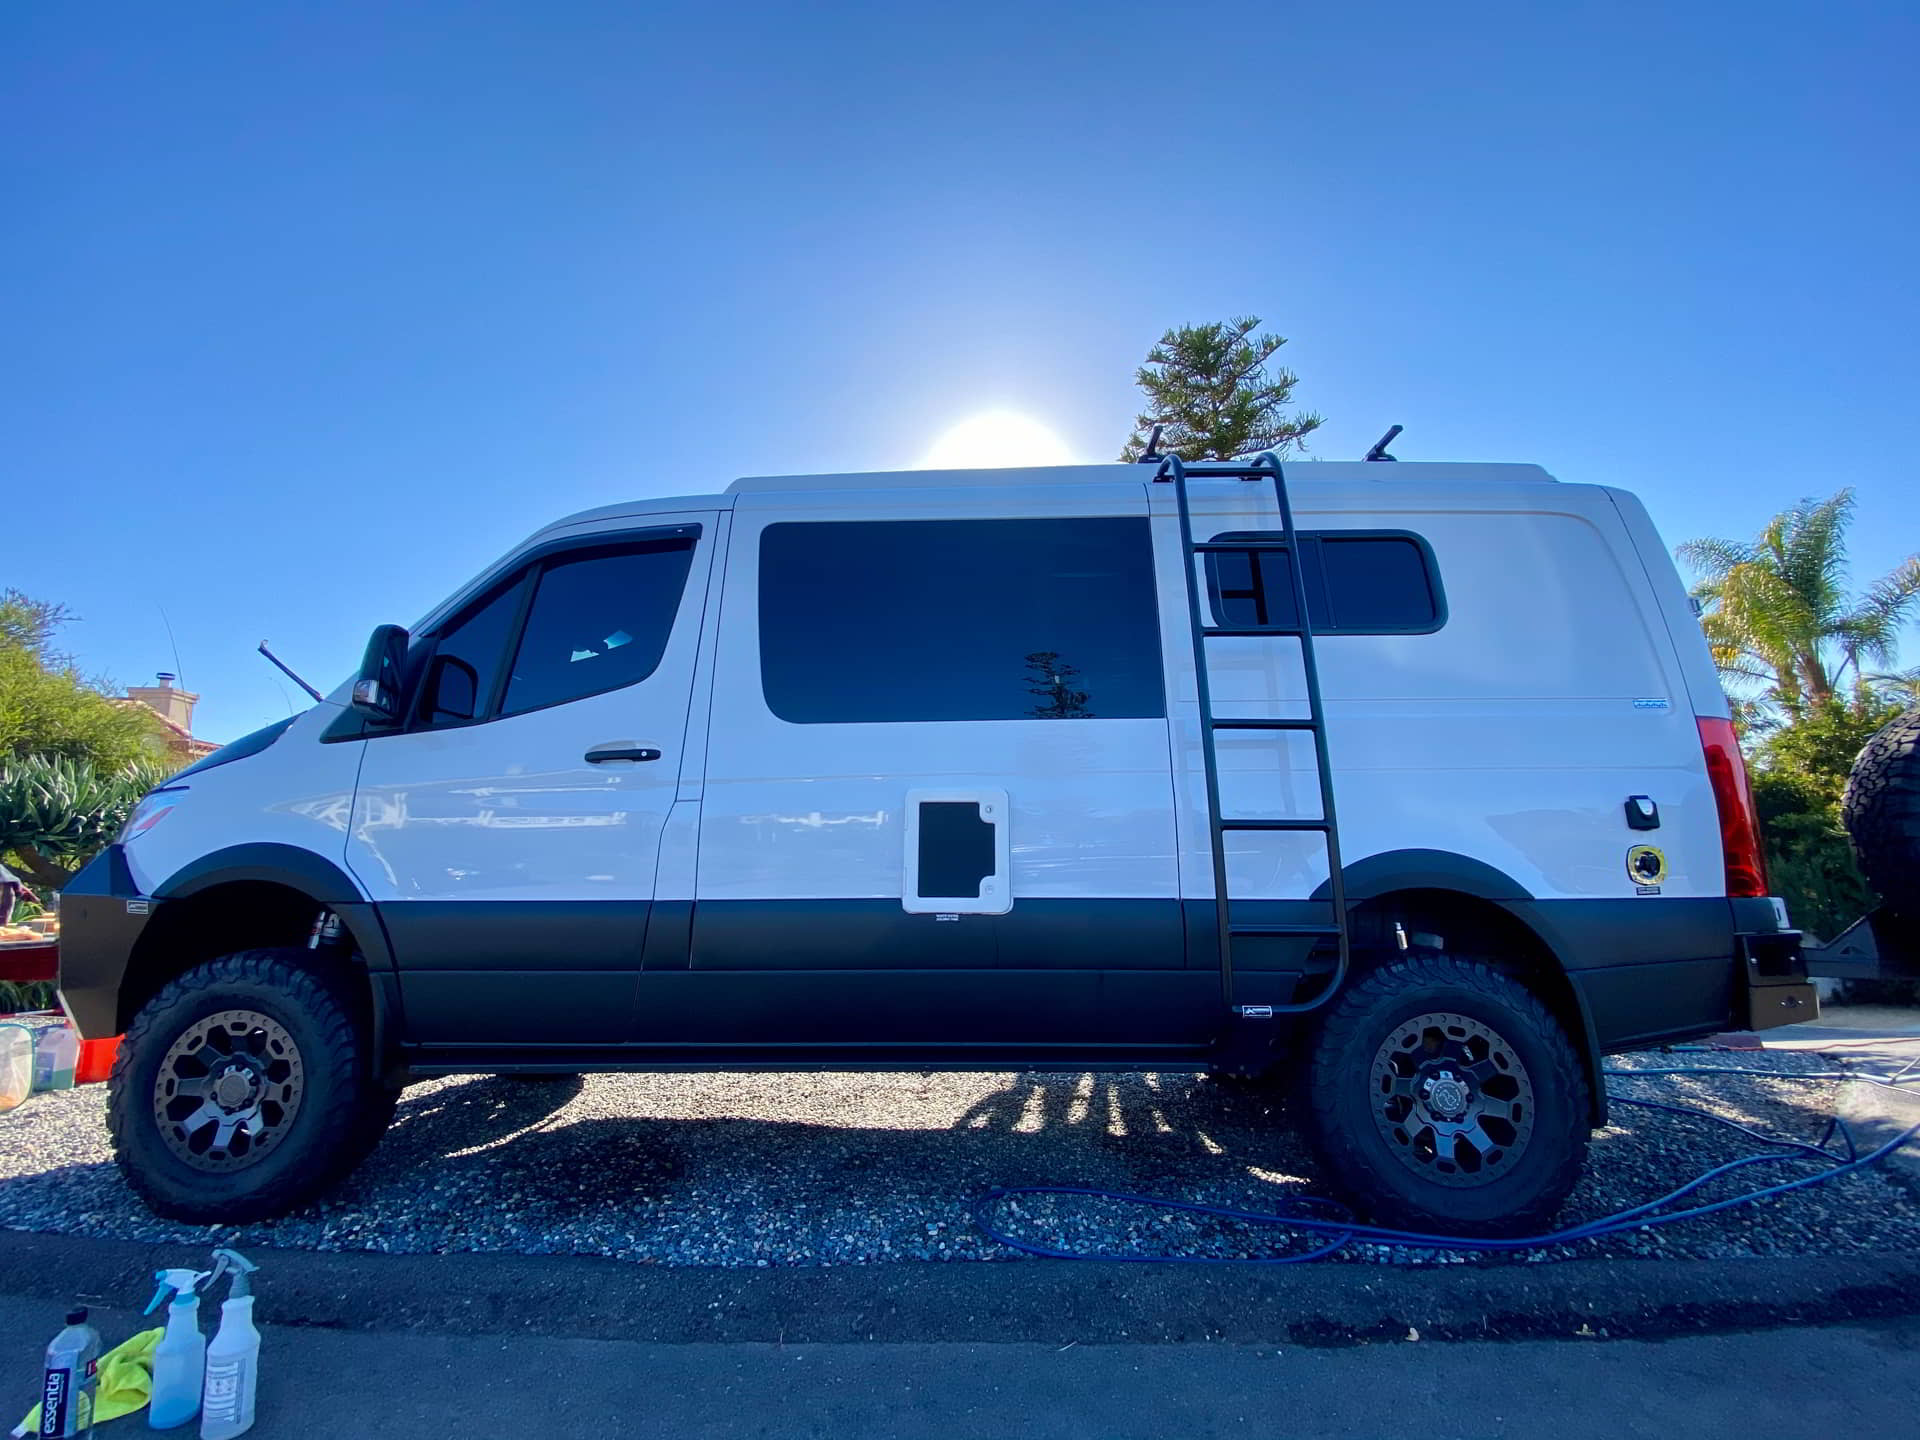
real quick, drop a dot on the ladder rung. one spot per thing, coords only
(1235, 547)
(1274, 825)
(1258, 631)
(1236, 723)
(1326, 932)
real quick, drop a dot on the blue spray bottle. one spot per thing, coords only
(180, 1359)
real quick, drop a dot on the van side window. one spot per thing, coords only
(598, 622)
(931, 620)
(1358, 582)
(467, 658)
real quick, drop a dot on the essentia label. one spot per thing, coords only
(54, 1399)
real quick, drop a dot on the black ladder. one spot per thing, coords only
(1263, 467)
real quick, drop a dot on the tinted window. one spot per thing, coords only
(1376, 585)
(467, 658)
(598, 622)
(1357, 584)
(959, 620)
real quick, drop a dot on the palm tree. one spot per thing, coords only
(1780, 620)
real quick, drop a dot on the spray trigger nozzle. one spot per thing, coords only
(232, 1262)
(175, 1282)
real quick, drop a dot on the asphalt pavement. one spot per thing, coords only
(319, 1384)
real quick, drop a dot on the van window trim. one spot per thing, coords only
(1432, 566)
(525, 571)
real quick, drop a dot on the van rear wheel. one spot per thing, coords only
(1445, 1098)
(243, 1089)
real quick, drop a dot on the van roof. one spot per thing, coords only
(1429, 472)
(1316, 470)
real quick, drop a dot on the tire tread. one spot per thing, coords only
(1346, 1026)
(348, 1130)
(1881, 811)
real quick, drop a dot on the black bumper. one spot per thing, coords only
(1773, 988)
(102, 913)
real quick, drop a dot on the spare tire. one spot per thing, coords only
(1881, 810)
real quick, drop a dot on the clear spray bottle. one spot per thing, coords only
(233, 1359)
(180, 1359)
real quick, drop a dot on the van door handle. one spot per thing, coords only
(621, 750)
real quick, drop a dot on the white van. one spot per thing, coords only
(918, 771)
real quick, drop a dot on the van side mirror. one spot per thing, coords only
(376, 690)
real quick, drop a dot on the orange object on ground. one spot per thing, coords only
(96, 1060)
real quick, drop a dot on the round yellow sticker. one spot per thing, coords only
(1647, 864)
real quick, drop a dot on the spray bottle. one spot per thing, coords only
(72, 1379)
(233, 1359)
(180, 1359)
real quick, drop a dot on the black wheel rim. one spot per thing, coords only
(1451, 1099)
(228, 1090)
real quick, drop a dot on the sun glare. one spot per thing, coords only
(996, 439)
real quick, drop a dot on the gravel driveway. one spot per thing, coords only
(844, 1169)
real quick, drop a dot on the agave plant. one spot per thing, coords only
(56, 813)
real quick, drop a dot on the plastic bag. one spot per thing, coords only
(16, 1065)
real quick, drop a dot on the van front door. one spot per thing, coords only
(509, 834)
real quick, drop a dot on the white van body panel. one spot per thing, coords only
(1513, 735)
(297, 793)
(510, 809)
(1706, 697)
(1558, 661)
(796, 812)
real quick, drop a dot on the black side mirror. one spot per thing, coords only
(453, 691)
(377, 688)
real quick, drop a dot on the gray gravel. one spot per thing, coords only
(758, 1170)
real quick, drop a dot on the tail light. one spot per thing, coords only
(1739, 822)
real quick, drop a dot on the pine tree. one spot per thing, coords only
(1052, 680)
(1211, 390)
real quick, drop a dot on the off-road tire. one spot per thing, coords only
(1881, 810)
(344, 1107)
(1375, 1174)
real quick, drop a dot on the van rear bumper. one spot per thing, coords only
(1774, 988)
(1658, 970)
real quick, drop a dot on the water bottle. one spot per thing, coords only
(55, 1052)
(72, 1380)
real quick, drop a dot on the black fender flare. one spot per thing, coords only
(1392, 870)
(1395, 870)
(320, 880)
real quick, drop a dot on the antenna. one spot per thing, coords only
(287, 670)
(1379, 450)
(1152, 452)
(178, 669)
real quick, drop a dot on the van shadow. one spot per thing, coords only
(857, 1169)
(487, 1142)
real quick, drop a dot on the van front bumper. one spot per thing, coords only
(102, 913)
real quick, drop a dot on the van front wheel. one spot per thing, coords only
(243, 1089)
(1446, 1099)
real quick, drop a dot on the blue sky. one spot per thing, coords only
(313, 309)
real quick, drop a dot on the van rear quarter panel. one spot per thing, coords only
(1514, 734)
